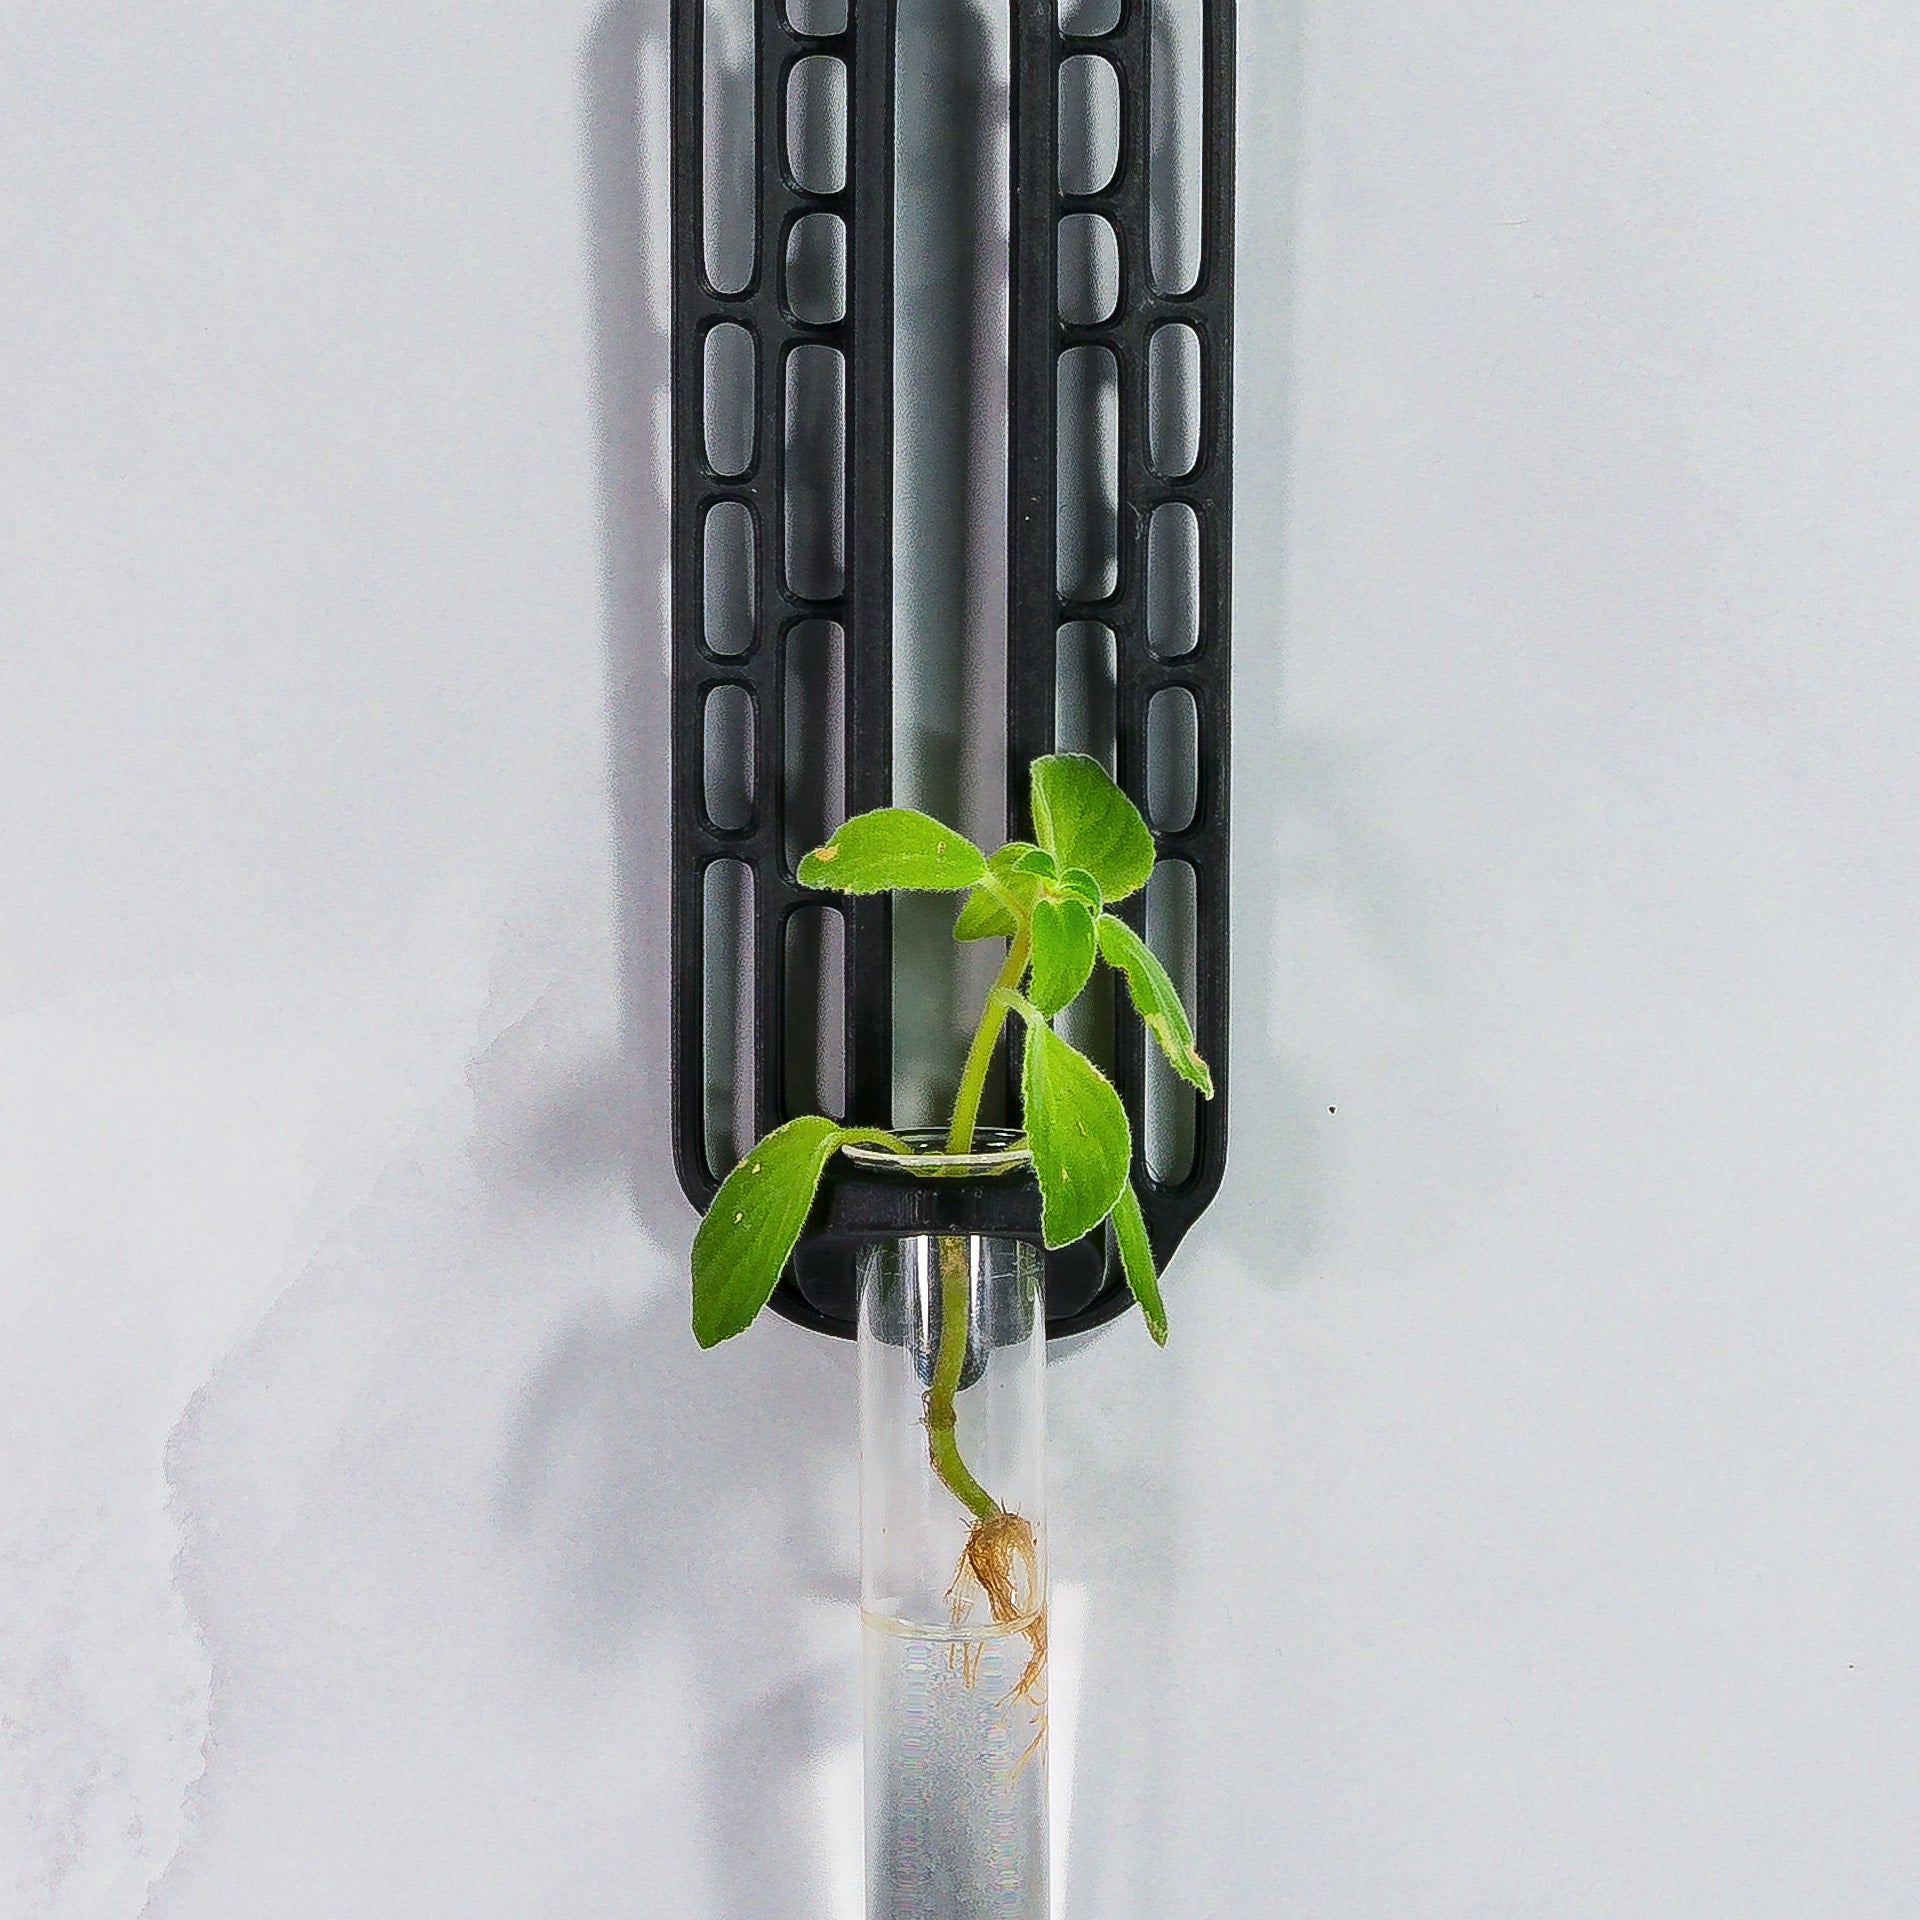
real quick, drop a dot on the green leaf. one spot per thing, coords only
(1085, 821)
(894, 850)
(1155, 998)
(754, 1220)
(1136, 1260)
(985, 914)
(1083, 886)
(1063, 949)
(1077, 1129)
(983, 917)
(1038, 863)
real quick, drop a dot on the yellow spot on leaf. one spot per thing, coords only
(827, 853)
(756, 1166)
(737, 1218)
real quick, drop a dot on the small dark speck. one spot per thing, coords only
(1333, 1109)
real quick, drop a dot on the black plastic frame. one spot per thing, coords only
(1037, 610)
(1084, 1286)
(863, 608)
(860, 1205)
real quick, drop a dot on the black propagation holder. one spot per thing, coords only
(782, 568)
(867, 1200)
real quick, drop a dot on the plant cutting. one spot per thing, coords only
(1050, 900)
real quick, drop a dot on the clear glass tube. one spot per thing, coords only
(954, 1578)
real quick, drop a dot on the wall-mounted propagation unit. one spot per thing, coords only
(950, 1257)
(1119, 554)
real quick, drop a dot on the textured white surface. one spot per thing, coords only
(1523, 1521)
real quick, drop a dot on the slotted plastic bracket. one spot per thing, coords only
(1041, 602)
(862, 607)
(1085, 1288)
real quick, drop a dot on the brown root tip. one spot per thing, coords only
(1001, 1561)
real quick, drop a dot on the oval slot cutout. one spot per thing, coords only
(727, 130)
(1172, 1107)
(1085, 687)
(1089, 123)
(817, 270)
(727, 758)
(1173, 760)
(1088, 473)
(726, 1028)
(817, 18)
(1176, 140)
(1089, 269)
(1079, 18)
(814, 704)
(816, 472)
(816, 1012)
(730, 399)
(817, 123)
(1173, 580)
(729, 608)
(1173, 400)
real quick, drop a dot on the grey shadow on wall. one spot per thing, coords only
(658, 1495)
(1330, 886)
(1319, 882)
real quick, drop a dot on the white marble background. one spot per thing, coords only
(1523, 1521)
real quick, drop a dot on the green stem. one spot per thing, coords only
(950, 1357)
(943, 1447)
(993, 1016)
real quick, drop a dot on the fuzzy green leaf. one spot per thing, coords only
(1085, 821)
(754, 1220)
(894, 850)
(1063, 949)
(1077, 1129)
(1155, 998)
(1136, 1260)
(985, 915)
(1037, 862)
(1083, 886)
